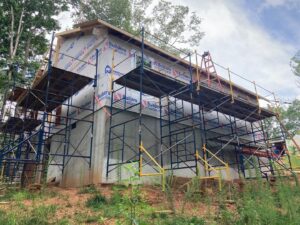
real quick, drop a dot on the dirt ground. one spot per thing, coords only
(71, 203)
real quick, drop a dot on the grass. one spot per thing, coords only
(295, 161)
(261, 203)
(90, 189)
(24, 194)
(128, 206)
(258, 203)
(40, 215)
(97, 201)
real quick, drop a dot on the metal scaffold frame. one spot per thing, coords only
(202, 119)
(169, 142)
(36, 122)
(191, 138)
(241, 138)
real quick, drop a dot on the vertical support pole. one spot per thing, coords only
(123, 143)
(161, 133)
(257, 98)
(20, 146)
(177, 151)
(240, 155)
(205, 160)
(276, 106)
(169, 133)
(289, 157)
(185, 145)
(267, 146)
(235, 146)
(197, 72)
(191, 74)
(231, 88)
(202, 134)
(141, 98)
(110, 129)
(93, 107)
(41, 132)
(192, 108)
(96, 69)
(66, 138)
(204, 142)
(112, 69)
(2, 166)
(197, 165)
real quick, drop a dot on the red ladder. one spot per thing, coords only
(208, 65)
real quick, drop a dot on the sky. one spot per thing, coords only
(255, 39)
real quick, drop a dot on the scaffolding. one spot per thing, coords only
(202, 118)
(37, 131)
(207, 120)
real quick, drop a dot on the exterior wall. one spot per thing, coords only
(77, 171)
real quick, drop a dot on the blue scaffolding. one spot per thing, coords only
(28, 131)
(233, 119)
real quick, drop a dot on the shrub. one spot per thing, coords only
(116, 198)
(96, 201)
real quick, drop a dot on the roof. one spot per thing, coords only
(124, 35)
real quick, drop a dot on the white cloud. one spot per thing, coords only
(276, 2)
(282, 3)
(236, 42)
(65, 20)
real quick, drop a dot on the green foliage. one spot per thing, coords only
(23, 29)
(192, 194)
(19, 195)
(97, 201)
(116, 12)
(169, 193)
(173, 24)
(295, 161)
(39, 215)
(259, 203)
(119, 187)
(16, 195)
(63, 222)
(295, 64)
(291, 117)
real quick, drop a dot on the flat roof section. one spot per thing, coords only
(18, 125)
(158, 85)
(62, 85)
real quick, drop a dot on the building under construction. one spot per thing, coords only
(108, 104)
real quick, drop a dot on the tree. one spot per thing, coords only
(116, 12)
(291, 117)
(23, 26)
(295, 64)
(169, 24)
(175, 25)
